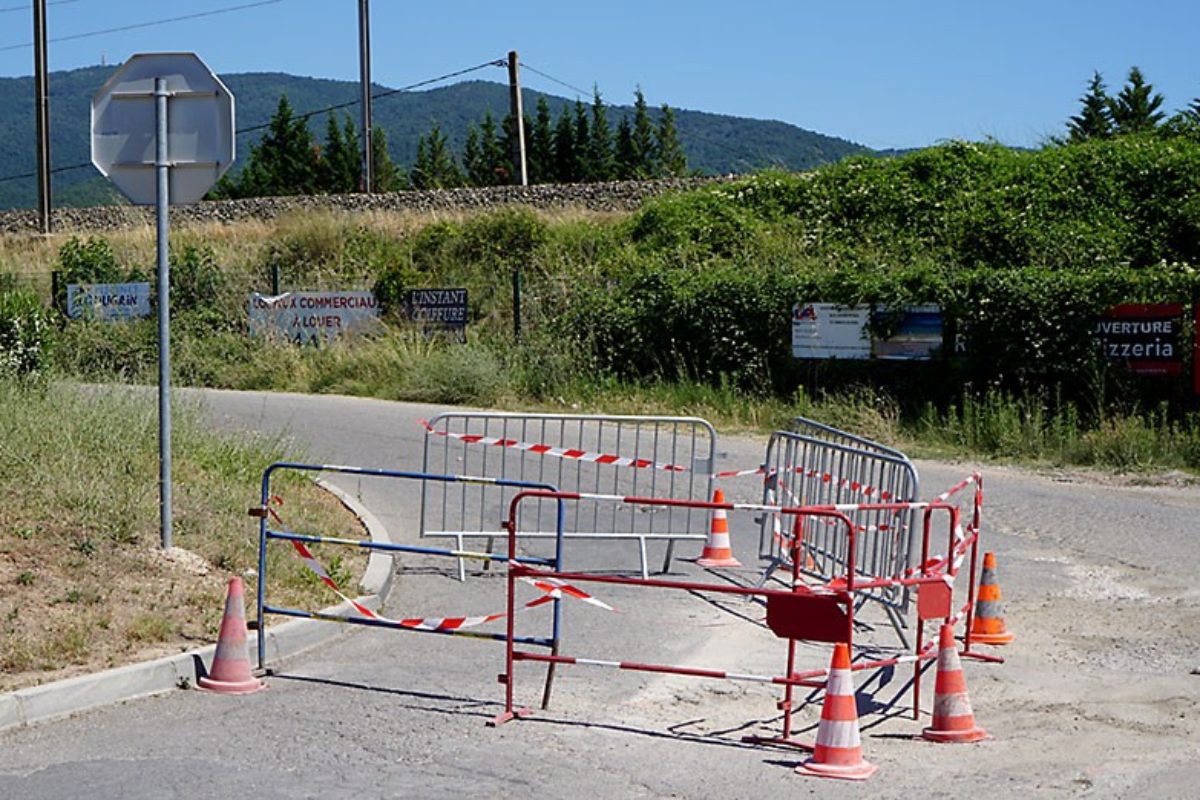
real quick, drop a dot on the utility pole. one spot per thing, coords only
(364, 68)
(41, 89)
(520, 174)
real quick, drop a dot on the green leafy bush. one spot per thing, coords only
(25, 333)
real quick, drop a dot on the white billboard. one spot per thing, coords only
(108, 300)
(827, 330)
(313, 317)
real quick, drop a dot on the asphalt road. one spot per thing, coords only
(1098, 697)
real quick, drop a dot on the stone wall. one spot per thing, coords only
(614, 196)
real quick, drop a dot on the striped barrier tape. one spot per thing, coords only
(643, 463)
(552, 589)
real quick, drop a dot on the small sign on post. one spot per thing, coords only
(163, 132)
(438, 310)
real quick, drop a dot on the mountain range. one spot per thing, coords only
(714, 143)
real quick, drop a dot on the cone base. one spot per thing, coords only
(248, 686)
(991, 638)
(718, 562)
(853, 772)
(954, 737)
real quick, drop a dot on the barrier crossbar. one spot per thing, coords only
(823, 613)
(652, 455)
(830, 468)
(265, 513)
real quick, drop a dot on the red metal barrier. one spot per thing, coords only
(823, 613)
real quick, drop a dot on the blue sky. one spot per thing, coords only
(885, 74)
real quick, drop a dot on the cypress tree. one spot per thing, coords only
(1136, 108)
(386, 176)
(583, 167)
(287, 154)
(670, 159)
(1094, 120)
(600, 142)
(627, 162)
(565, 161)
(493, 157)
(340, 167)
(473, 165)
(541, 145)
(643, 136)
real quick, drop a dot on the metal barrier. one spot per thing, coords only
(832, 467)
(660, 456)
(266, 534)
(813, 613)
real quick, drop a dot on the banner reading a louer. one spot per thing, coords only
(108, 301)
(313, 317)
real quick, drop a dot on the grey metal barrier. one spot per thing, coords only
(650, 456)
(825, 466)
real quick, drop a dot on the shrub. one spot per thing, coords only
(25, 333)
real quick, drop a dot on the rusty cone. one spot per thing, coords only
(953, 720)
(838, 751)
(230, 673)
(987, 626)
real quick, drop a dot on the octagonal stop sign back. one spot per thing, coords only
(200, 127)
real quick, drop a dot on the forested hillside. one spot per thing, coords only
(713, 143)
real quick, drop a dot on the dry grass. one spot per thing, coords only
(84, 582)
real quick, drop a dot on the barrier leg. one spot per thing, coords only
(645, 566)
(667, 561)
(462, 562)
(549, 676)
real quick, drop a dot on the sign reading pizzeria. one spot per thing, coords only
(1145, 336)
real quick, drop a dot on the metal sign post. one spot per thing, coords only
(163, 132)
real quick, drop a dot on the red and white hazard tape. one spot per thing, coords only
(552, 589)
(558, 452)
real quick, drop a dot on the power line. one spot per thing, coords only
(139, 25)
(29, 6)
(350, 103)
(305, 116)
(575, 89)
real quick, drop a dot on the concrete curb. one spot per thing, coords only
(73, 695)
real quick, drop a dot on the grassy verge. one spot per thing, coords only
(85, 583)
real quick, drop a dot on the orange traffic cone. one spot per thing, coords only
(718, 551)
(798, 538)
(838, 751)
(953, 720)
(230, 673)
(987, 627)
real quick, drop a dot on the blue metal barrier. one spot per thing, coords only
(265, 534)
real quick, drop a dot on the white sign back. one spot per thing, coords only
(200, 127)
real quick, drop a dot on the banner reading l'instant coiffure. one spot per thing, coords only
(307, 317)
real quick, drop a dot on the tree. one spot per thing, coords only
(495, 160)
(541, 145)
(435, 167)
(582, 129)
(1136, 108)
(643, 136)
(670, 160)
(626, 157)
(565, 162)
(287, 155)
(386, 176)
(285, 162)
(340, 169)
(472, 160)
(600, 142)
(1094, 120)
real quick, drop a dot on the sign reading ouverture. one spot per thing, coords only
(313, 317)
(1143, 335)
(108, 300)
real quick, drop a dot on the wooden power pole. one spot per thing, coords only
(364, 68)
(520, 174)
(41, 88)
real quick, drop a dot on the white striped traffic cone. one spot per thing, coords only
(838, 752)
(718, 551)
(230, 673)
(953, 719)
